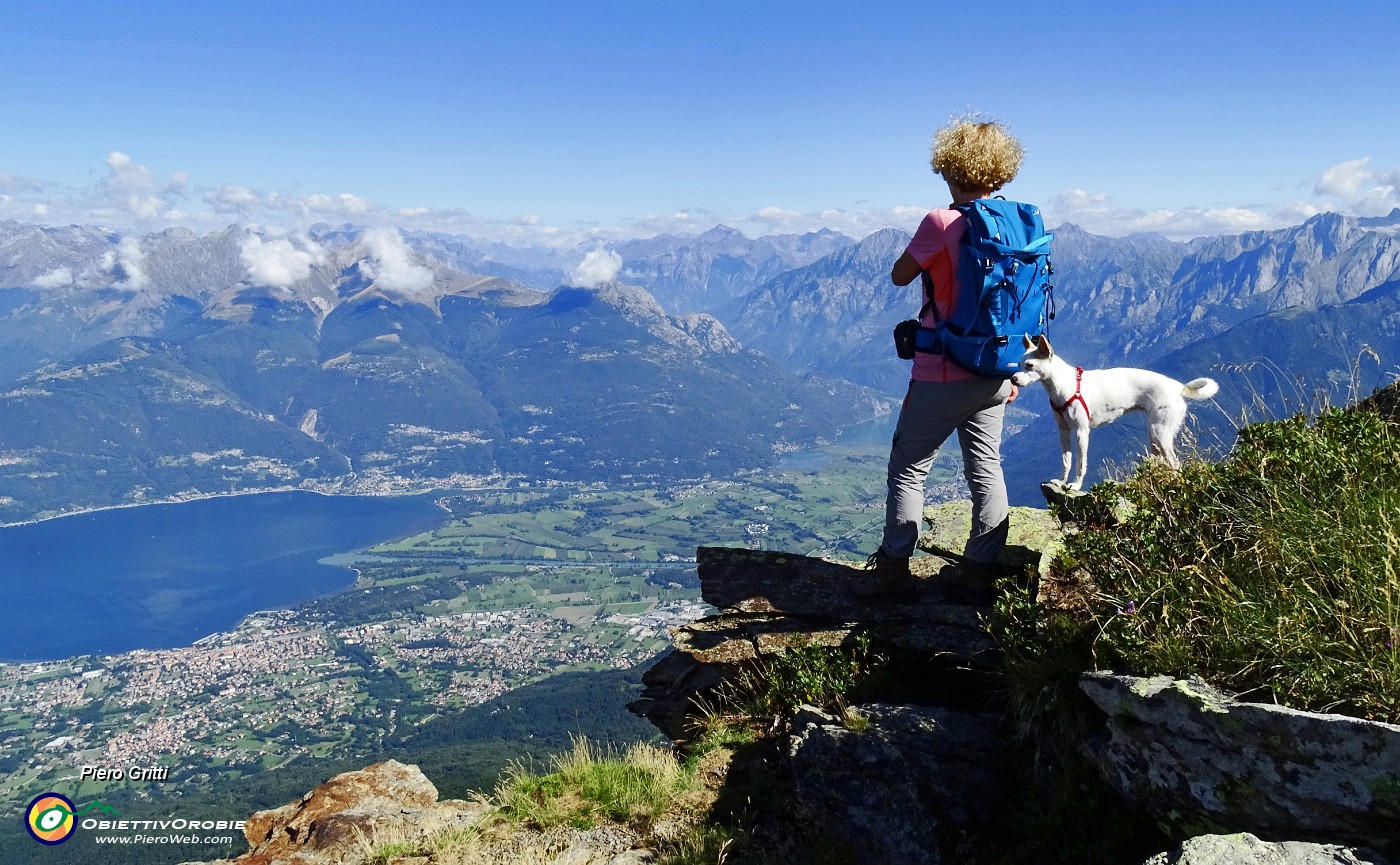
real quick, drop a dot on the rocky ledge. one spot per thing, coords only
(769, 602)
(907, 782)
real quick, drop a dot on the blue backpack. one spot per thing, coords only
(1004, 269)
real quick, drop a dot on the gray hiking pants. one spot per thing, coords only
(932, 411)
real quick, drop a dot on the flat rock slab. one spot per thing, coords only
(769, 594)
(1184, 748)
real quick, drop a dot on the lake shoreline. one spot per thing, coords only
(385, 494)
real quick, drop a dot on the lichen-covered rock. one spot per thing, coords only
(1195, 756)
(1246, 849)
(1030, 532)
(1077, 507)
(900, 789)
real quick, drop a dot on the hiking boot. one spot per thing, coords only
(970, 583)
(887, 578)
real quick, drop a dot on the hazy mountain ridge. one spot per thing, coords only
(833, 316)
(1123, 299)
(1329, 259)
(1108, 291)
(711, 269)
(685, 273)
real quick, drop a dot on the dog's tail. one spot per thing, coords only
(1201, 388)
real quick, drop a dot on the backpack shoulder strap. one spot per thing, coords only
(928, 298)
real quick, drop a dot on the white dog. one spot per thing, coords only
(1086, 398)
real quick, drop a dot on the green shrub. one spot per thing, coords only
(827, 677)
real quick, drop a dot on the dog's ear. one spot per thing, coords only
(1042, 344)
(1026, 340)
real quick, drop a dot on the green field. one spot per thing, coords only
(834, 507)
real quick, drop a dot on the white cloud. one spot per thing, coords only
(125, 263)
(130, 196)
(1196, 222)
(1077, 200)
(232, 199)
(280, 262)
(343, 205)
(597, 267)
(1358, 189)
(392, 265)
(682, 222)
(56, 278)
(856, 223)
(1094, 212)
(14, 183)
(778, 214)
(133, 189)
(274, 207)
(1295, 212)
(1345, 179)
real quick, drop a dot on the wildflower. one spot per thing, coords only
(1129, 610)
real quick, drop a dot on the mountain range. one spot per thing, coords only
(173, 364)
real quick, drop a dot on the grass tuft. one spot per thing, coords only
(591, 786)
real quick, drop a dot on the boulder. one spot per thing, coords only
(328, 824)
(902, 787)
(1205, 762)
(1245, 849)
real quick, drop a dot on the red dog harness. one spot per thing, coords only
(1078, 379)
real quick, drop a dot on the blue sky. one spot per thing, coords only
(551, 122)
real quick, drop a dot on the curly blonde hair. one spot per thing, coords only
(975, 154)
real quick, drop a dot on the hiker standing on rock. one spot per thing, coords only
(975, 159)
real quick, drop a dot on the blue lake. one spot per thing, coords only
(165, 575)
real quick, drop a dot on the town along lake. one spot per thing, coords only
(159, 576)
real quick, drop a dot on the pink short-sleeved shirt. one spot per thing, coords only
(935, 247)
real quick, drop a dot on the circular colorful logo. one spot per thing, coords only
(49, 818)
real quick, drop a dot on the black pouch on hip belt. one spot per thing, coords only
(906, 333)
